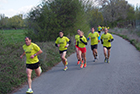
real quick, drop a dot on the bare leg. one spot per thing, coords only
(77, 54)
(84, 57)
(108, 53)
(63, 57)
(29, 73)
(105, 54)
(38, 72)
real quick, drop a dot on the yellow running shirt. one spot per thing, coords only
(31, 50)
(94, 38)
(103, 27)
(76, 38)
(81, 44)
(62, 42)
(105, 38)
(99, 28)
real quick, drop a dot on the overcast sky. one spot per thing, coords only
(15, 7)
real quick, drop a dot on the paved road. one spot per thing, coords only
(121, 76)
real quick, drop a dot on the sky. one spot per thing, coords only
(11, 8)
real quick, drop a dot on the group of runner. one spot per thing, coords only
(80, 44)
(32, 50)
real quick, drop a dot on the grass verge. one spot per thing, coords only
(132, 35)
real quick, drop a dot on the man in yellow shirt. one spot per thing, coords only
(63, 42)
(106, 40)
(31, 50)
(95, 38)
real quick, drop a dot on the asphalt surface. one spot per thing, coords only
(120, 76)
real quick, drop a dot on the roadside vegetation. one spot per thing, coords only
(130, 34)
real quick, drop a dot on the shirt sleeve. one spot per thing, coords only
(36, 47)
(67, 39)
(111, 37)
(56, 42)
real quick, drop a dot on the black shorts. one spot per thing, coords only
(99, 31)
(107, 47)
(94, 47)
(62, 51)
(33, 66)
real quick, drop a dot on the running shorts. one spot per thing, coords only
(94, 46)
(83, 50)
(33, 66)
(62, 51)
(107, 47)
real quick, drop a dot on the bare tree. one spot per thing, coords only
(114, 10)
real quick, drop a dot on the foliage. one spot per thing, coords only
(48, 18)
(95, 17)
(117, 10)
(137, 12)
(15, 22)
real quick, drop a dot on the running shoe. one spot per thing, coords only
(95, 60)
(105, 60)
(85, 65)
(82, 61)
(97, 57)
(29, 91)
(40, 69)
(82, 65)
(65, 68)
(66, 62)
(78, 62)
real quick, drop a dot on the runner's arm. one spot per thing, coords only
(68, 43)
(56, 45)
(83, 42)
(101, 41)
(110, 40)
(22, 55)
(39, 52)
(99, 37)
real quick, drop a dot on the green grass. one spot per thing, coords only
(12, 36)
(12, 68)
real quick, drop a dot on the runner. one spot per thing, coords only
(99, 29)
(95, 38)
(62, 42)
(106, 40)
(31, 50)
(76, 46)
(82, 49)
(103, 28)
